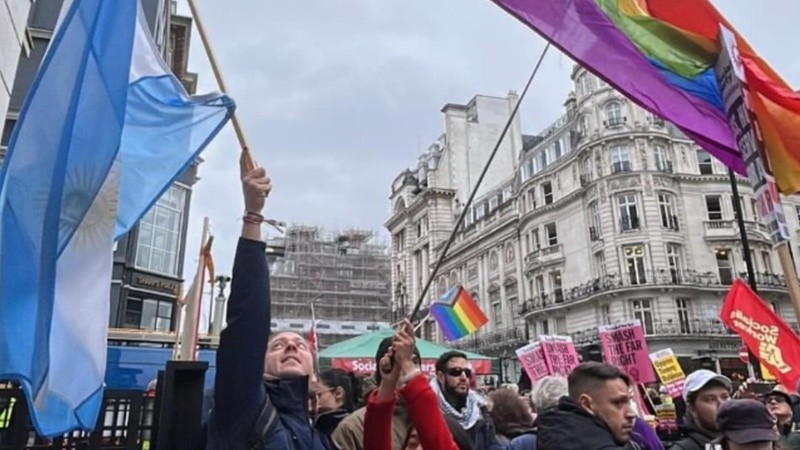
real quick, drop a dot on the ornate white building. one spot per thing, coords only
(608, 215)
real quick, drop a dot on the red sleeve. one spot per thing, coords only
(378, 423)
(423, 409)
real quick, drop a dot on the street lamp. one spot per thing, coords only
(219, 305)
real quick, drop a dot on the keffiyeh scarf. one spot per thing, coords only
(471, 413)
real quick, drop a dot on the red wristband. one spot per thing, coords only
(254, 218)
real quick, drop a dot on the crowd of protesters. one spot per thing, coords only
(279, 402)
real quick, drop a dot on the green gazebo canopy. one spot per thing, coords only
(366, 345)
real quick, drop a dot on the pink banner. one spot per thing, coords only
(624, 346)
(533, 361)
(366, 366)
(560, 354)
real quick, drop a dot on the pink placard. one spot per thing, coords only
(560, 354)
(533, 361)
(624, 346)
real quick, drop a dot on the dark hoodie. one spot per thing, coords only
(570, 427)
(692, 437)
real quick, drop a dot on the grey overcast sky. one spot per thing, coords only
(336, 96)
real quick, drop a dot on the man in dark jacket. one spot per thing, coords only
(259, 402)
(597, 413)
(461, 405)
(704, 391)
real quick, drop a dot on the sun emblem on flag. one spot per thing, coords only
(89, 219)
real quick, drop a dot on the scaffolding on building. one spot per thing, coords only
(345, 274)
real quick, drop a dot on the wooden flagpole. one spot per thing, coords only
(790, 274)
(237, 126)
(191, 317)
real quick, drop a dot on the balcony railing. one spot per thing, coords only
(615, 122)
(664, 328)
(513, 337)
(544, 255)
(593, 234)
(623, 166)
(660, 277)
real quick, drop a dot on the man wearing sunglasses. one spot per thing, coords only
(779, 403)
(459, 403)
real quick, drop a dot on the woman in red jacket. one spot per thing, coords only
(432, 431)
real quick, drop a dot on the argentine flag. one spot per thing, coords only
(104, 131)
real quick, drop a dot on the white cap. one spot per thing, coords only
(700, 378)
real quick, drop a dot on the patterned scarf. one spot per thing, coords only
(471, 413)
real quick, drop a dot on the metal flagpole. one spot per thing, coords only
(754, 366)
(474, 192)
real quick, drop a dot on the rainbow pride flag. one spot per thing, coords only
(660, 54)
(457, 314)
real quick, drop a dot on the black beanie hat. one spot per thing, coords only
(383, 347)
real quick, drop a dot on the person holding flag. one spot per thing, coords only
(260, 401)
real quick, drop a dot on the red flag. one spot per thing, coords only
(765, 334)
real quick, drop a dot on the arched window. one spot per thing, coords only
(614, 114)
(399, 205)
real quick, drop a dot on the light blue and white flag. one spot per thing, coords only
(104, 131)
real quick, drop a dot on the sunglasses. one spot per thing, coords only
(457, 371)
(774, 398)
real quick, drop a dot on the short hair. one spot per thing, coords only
(589, 375)
(441, 363)
(547, 391)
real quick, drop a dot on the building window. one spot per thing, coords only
(619, 159)
(555, 283)
(754, 209)
(634, 259)
(663, 164)
(776, 308)
(536, 243)
(539, 285)
(643, 312)
(588, 170)
(544, 327)
(552, 234)
(600, 264)
(516, 317)
(674, 262)
(629, 218)
(497, 313)
(160, 232)
(682, 305)
(724, 267)
(587, 84)
(704, 163)
(532, 197)
(148, 314)
(669, 219)
(767, 259)
(605, 314)
(547, 192)
(714, 207)
(595, 231)
(614, 115)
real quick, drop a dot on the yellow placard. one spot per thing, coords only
(667, 366)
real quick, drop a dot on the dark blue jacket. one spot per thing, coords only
(240, 392)
(483, 434)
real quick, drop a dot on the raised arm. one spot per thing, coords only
(238, 391)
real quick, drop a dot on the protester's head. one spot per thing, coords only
(704, 391)
(746, 425)
(509, 412)
(334, 391)
(384, 347)
(604, 391)
(288, 355)
(453, 373)
(779, 404)
(547, 391)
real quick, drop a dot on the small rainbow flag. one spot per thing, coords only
(457, 314)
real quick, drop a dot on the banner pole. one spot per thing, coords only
(790, 274)
(237, 126)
